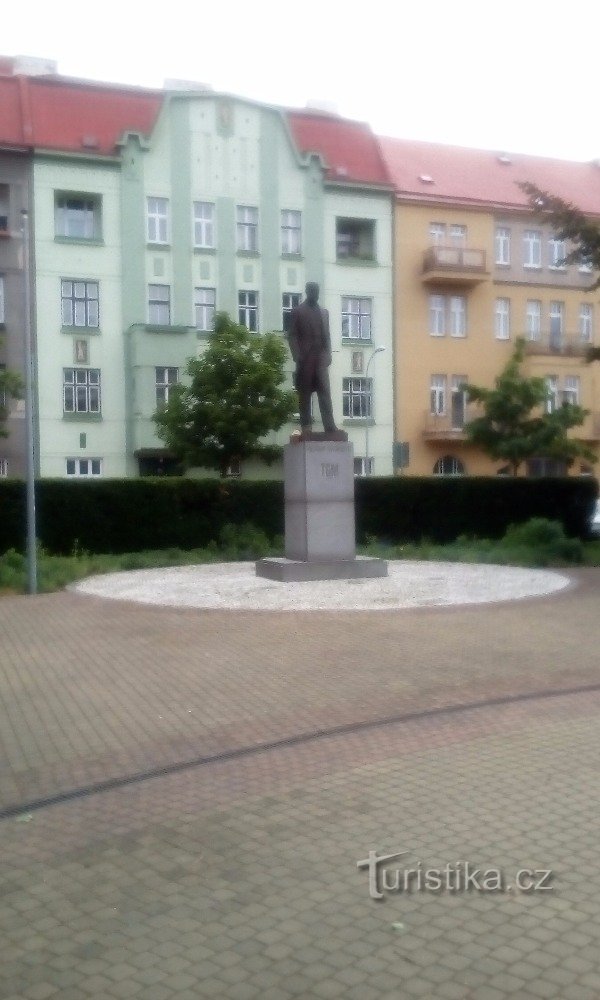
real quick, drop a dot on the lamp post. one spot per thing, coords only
(30, 439)
(377, 350)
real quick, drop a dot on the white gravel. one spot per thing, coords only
(409, 585)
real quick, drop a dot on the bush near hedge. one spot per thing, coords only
(132, 515)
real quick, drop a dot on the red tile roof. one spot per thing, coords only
(349, 149)
(475, 176)
(73, 116)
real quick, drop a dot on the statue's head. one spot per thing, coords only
(312, 293)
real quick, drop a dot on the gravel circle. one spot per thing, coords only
(409, 585)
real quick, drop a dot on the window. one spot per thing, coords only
(355, 239)
(447, 314)
(247, 229)
(458, 236)
(2, 314)
(557, 251)
(437, 233)
(159, 305)
(586, 323)
(77, 216)
(4, 203)
(291, 232)
(502, 319)
(289, 301)
(458, 402)
(3, 468)
(204, 307)
(552, 393)
(204, 224)
(585, 265)
(79, 303)
(557, 314)
(437, 395)
(157, 215)
(532, 248)
(533, 319)
(356, 318)
(84, 467)
(502, 245)
(546, 467)
(572, 389)
(248, 310)
(357, 397)
(448, 466)
(363, 466)
(81, 390)
(164, 379)
(3, 393)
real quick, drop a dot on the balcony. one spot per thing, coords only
(448, 426)
(557, 344)
(454, 266)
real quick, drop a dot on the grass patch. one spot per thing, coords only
(538, 543)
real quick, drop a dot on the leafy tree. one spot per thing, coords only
(570, 224)
(233, 399)
(514, 425)
(11, 387)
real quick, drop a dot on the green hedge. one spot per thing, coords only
(135, 514)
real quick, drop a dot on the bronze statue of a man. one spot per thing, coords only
(310, 344)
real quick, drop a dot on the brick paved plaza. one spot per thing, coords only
(254, 758)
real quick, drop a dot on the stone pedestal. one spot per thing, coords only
(319, 515)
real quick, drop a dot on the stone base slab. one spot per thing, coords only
(297, 571)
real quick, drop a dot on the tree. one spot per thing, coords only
(233, 399)
(514, 425)
(569, 223)
(11, 387)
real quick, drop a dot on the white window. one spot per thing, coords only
(557, 322)
(164, 379)
(204, 308)
(356, 318)
(159, 305)
(291, 232)
(204, 224)
(502, 245)
(158, 220)
(572, 389)
(248, 310)
(502, 319)
(449, 466)
(437, 315)
(355, 239)
(586, 322)
(363, 466)
(437, 233)
(437, 395)
(77, 216)
(247, 229)
(458, 402)
(586, 267)
(458, 316)
(458, 236)
(357, 397)
(532, 248)
(552, 393)
(2, 314)
(81, 390)
(79, 303)
(533, 319)
(557, 253)
(84, 466)
(289, 301)
(3, 468)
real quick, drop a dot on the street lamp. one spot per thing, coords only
(31, 553)
(377, 350)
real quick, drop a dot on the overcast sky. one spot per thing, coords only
(516, 76)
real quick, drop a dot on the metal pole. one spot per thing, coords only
(377, 350)
(31, 547)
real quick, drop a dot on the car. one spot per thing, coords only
(595, 520)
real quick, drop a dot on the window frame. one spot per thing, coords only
(247, 229)
(159, 306)
(157, 221)
(586, 322)
(91, 304)
(206, 226)
(554, 257)
(291, 234)
(502, 318)
(502, 246)
(357, 316)
(90, 212)
(357, 393)
(206, 309)
(249, 310)
(163, 386)
(2, 300)
(438, 394)
(78, 474)
(88, 388)
(533, 320)
(532, 242)
(295, 299)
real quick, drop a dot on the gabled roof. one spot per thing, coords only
(71, 115)
(424, 171)
(349, 149)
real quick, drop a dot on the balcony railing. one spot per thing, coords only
(569, 345)
(449, 426)
(460, 265)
